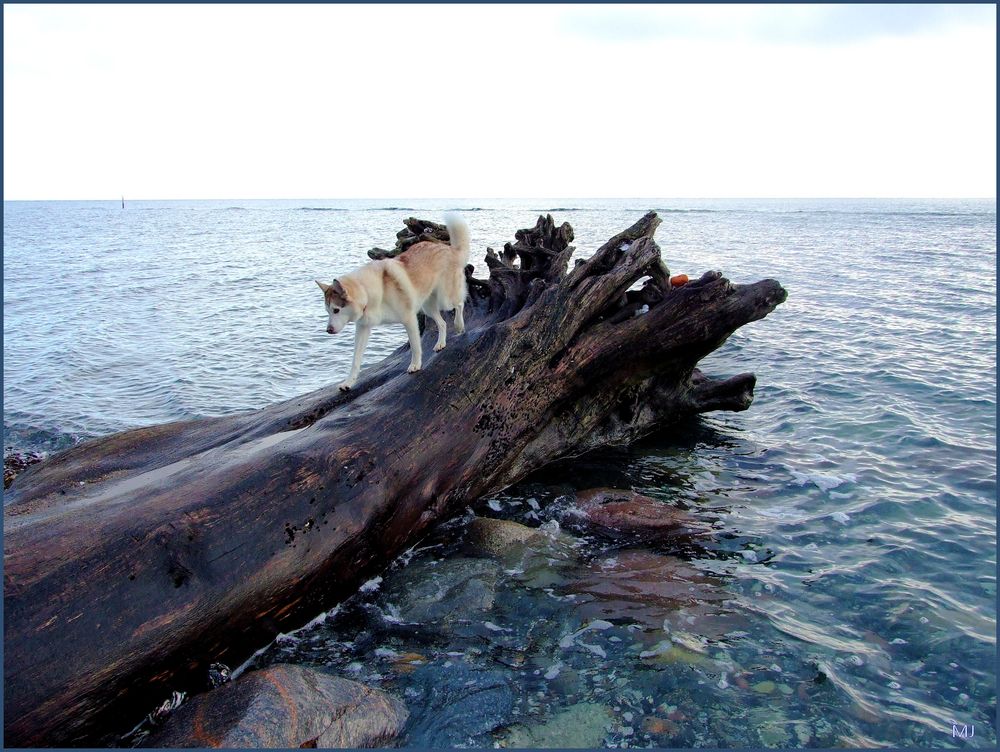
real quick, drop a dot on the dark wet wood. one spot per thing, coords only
(415, 231)
(135, 561)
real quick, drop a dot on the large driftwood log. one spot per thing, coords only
(134, 561)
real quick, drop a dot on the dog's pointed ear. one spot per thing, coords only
(323, 287)
(338, 289)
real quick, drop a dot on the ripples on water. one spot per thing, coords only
(854, 504)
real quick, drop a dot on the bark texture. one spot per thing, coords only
(135, 561)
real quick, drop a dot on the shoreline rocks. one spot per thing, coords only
(15, 463)
(285, 706)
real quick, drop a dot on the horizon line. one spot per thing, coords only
(525, 198)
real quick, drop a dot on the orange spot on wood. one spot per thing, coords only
(162, 621)
(287, 608)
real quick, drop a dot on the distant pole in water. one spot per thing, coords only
(123, 202)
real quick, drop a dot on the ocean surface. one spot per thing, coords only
(847, 594)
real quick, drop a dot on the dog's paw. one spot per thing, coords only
(459, 331)
(412, 369)
(346, 386)
(438, 348)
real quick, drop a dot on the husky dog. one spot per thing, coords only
(429, 276)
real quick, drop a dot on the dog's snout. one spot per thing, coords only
(331, 330)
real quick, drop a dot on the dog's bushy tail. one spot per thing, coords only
(458, 231)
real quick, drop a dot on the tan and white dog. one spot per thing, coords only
(429, 277)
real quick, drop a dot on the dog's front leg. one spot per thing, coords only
(361, 333)
(416, 354)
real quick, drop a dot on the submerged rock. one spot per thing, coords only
(285, 706)
(622, 514)
(443, 591)
(660, 726)
(771, 725)
(489, 537)
(580, 726)
(456, 705)
(653, 589)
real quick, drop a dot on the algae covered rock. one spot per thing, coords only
(580, 726)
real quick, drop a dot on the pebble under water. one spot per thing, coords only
(845, 594)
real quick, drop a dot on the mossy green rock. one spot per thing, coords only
(580, 726)
(764, 687)
(774, 735)
(496, 538)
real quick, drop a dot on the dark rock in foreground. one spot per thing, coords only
(285, 706)
(457, 705)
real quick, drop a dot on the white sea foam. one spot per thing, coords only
(822, 481)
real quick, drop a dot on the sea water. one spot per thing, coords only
(847, 593)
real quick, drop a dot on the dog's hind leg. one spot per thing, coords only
(456, 296)
(416, 353)
(435, 314)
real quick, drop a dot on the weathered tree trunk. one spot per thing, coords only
(134, 561)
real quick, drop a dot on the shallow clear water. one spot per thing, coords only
(847, 594)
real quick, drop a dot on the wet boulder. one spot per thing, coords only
(620, 514)
(285, 706)
(489, 537)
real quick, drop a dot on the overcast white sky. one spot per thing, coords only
(368, 101)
